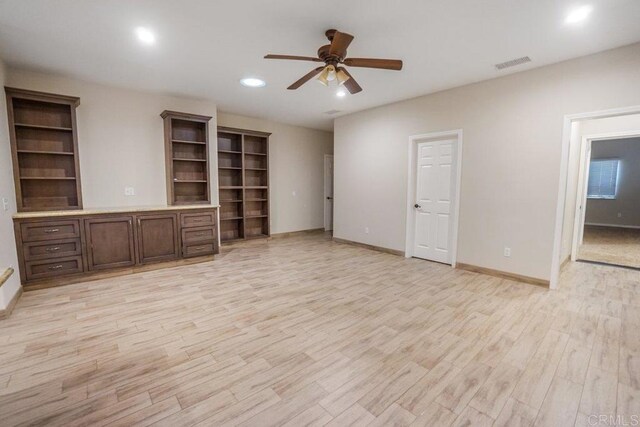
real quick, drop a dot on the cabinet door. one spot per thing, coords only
(158, 237)
(110, 242)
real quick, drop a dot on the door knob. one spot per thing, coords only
(417, 206)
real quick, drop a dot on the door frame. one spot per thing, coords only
(583, 179)
(324, 194)
(556, 262)
(411, 188)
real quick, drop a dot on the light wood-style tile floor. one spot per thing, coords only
(304, 331)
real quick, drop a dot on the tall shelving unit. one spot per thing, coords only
(186, 158)
(243, 184)
(44, 148)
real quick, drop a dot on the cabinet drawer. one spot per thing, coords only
(198, 219)
(51, 268)
(51, 249)
(198, 234)
(50, 230)
(197, 250)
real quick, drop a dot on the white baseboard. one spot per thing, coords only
(612, 225)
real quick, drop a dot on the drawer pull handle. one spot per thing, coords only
(201, 234)
(56, 267)
(200, 248)
(199, 220)
(54, 249)
(51, 230)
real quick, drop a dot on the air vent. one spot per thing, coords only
(513, 63)
(332, 112)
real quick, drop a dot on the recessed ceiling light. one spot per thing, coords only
(253, 82)
(341, 93)
(578, 14)
(145, 35)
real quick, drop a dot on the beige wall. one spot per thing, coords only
(511, 157)
(121, 138)
(627, 202)
(8, 257)
(296, 165)
(579, 130)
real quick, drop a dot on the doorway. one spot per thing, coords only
(607, 217)
(433, 196)
(328, 192)
(605, 124)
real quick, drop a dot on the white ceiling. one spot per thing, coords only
(205, 46)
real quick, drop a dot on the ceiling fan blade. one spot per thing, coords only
(340, 43)
(352, 85)
(305, 78)
(294, 57)
(385, 64)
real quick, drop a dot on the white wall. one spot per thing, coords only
(627, 201)
(120, 138)
(511, 158)
(8, 255)
(579, 130)
(296, 164)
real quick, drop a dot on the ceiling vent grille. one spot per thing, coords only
(513, 63)
(332, 112)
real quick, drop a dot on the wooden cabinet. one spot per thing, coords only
(110, 242)
(186, 141)
(243, 183)
(50, 248)
(44, 148)
(158, 238)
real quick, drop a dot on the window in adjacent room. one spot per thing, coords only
(603, 179)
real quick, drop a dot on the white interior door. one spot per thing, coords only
(328, 192)
(435, 196)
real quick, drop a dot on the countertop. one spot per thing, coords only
(94, 211)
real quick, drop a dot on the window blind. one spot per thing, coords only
(603, 179)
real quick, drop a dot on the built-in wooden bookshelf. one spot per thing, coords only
(243, 183)
(44, 148)
(187, 158)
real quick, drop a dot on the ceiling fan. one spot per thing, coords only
(333, 55)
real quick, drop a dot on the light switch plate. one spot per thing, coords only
(5, 203)
(129, 191)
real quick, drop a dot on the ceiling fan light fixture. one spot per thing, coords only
(327, 75)
(342, 77)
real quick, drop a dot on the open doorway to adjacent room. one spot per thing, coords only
(599, 215)
(609, 221)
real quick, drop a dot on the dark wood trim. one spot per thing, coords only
(43, 96)
(366, 246)
(244, 131)
(185, 116)
(503, 274)
(4, 314)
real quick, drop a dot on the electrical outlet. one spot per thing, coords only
(507, 252)
(619, 214)
(129, 191)
(366, 230)
(5, 203)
